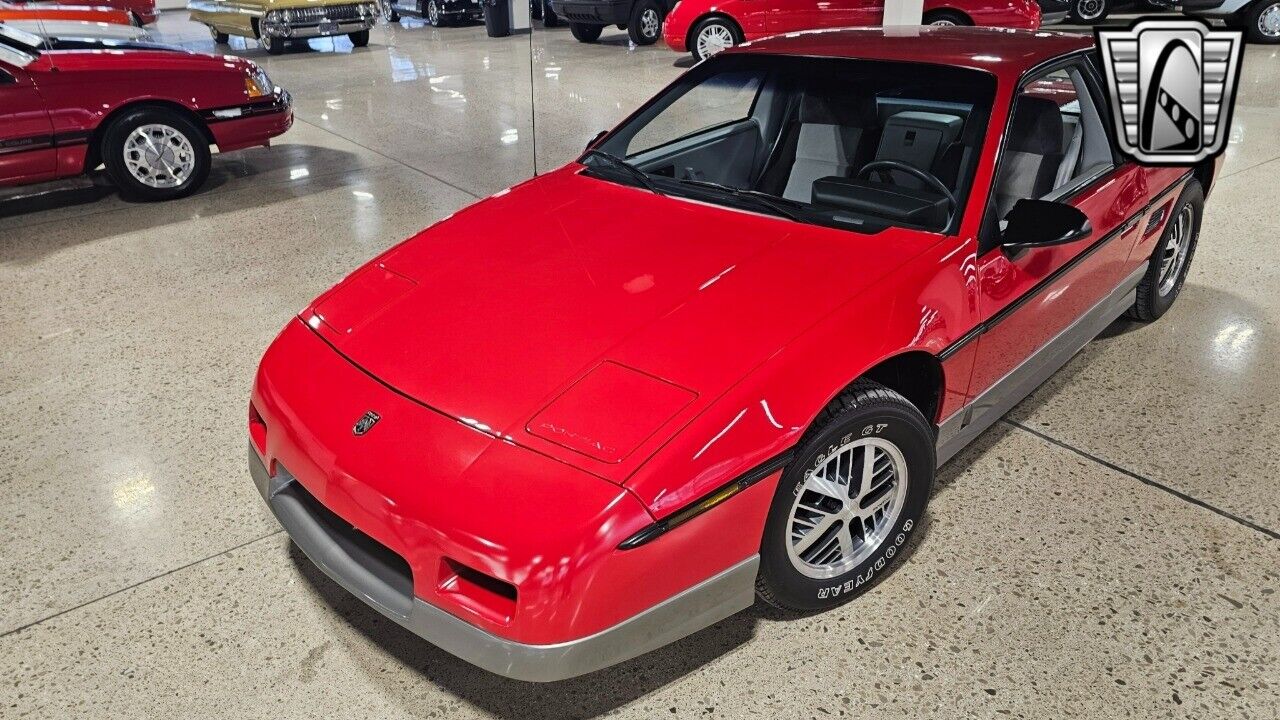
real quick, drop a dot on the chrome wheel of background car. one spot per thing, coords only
(1176, 250)
(433, 13)
(713, 39)
(1269, 21)
(846, 507)
(650, 24)
(1090, 9)
(159, 156)
(943, 22)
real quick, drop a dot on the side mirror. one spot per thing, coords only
(1042, 223)
(596, 139)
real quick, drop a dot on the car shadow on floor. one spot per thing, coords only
(236, 181)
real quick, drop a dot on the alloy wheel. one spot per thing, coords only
(1089, 9)
(846, 507)
(433, 13)
(712, 39)
(650, 23)
(159, 156)
(1269, 21)
(1176, 250)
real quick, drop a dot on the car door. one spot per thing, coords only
(796, 15)
(27, 153)
(1029, 298)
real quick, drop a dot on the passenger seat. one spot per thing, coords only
(919, 139)
(1032, 153)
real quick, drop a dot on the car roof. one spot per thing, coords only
(1001, 51)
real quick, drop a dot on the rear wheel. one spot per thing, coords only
(946, 18)
(219, 38)
(713, 35)
(846, 506)
(582, 32)
(359, 39)
(1088, 12)
(155, 154)
(1262, 22)
(1171, 259)
(645, 25)
(432, 14)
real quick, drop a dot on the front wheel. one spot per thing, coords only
(274, 45)
(155, 154)
(219, 37)
(1088, 12)
(713, 35)
(583, 32)
(645, 25)
(549, 17)
(847, 505)
(1171, 259)
(359, 39)
(1262, 22)
(946, 18)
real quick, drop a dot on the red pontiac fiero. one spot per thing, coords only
(720, 356)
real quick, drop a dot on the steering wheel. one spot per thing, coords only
(884, 166)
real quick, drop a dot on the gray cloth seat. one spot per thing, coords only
(1072, 140)
(1032, 155)
(831, 139)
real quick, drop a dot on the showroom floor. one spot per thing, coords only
(1113, 549)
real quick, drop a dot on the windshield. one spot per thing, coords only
(18, 47)
(857, 144)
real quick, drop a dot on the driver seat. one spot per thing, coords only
(834, 130)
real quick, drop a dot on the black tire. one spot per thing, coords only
(582, 32)
(549, 17)
(1253, 22)
(867, 411)
(1088, 12)
(274, 45)
(112, 152)
(645, 25)
(359, 38)
(219, 37)
(427, 14)
(393, 15)
(734, 31)
(946, 17)
(1151, 303)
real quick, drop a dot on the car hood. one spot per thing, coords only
(591, 315)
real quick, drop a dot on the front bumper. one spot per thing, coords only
(506, 557)
(593, 13)
(291, 30)
(252, 124)
(349, 563)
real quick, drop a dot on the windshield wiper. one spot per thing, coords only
(632, 170)
(761, 199)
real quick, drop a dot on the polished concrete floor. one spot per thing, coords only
(1111, 550)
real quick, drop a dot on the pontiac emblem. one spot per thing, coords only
(366, 422)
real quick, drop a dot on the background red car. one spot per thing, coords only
(705, 27)
(147, 112)
(142, 12)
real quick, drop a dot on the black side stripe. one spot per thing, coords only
(42, 142)
(1056, 275)
(706, 502)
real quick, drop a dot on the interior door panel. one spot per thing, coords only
(728, 155)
